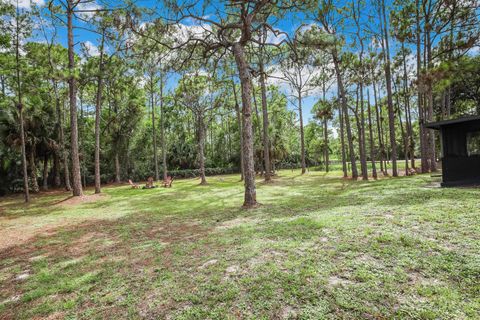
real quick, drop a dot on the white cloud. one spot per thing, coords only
(475, 51)
(26, 4)
(89, 7)
(185, 32)
(91, 49)
(275, 38)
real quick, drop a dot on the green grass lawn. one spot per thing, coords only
(319, 247)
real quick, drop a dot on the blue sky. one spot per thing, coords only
(289, 23)
(89, 39)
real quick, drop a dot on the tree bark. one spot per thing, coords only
(325, 142)
(379, 126)
(408, 114)
(403, 131)
(344, 105)
(76, 176)
(363, 149)
(154, 132)
(388, 79)
(24, 156)
(117, 168)
(421, 118)
(258, 129)
(240, 130)
(162, 131)
(98, 113)
(45, 172)
(201, 148)
(66, 170)
(430, 115)
(342, 140)
(20, 109)
(57, 181)
(266, 140)
(370, 136)
(33, 170)
(302, 134)
(250, 198)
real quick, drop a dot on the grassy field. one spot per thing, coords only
(319, 247)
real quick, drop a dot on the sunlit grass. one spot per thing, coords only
(318, 247)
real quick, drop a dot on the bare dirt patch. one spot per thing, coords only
(17, 236)
(230, 224)
(73, 201)
(335, 281)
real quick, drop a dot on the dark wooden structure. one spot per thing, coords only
(460, 150)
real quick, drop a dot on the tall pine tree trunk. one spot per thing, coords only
(24, 155)
(430, 115)
(250, 199)
(201, 148)
(342, 141)
(403, 131)
(240, 130)
(408, 114)
(20, 109)
(344, 104)
(266, 140)
(325, 130)
(45, 172)
(162, 131)
(98, 112)
(302, 134)
(325, 142)
(370, 136)
(33, 170)
(363, 149)
(77, 179)
(258, 129)
(421, 114)
(154, 130)
(57, 181)
(388, 80)
(379, 125)
(63, 149)
(117, 168)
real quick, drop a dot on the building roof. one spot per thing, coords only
(437, 125)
